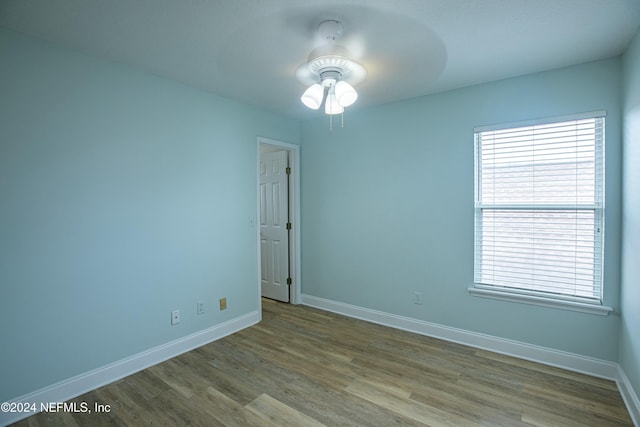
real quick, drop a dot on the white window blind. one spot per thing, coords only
(539, 208)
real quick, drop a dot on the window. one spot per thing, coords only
(539, 208)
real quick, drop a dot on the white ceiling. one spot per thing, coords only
(250, 49)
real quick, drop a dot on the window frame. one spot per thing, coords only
(530, 296)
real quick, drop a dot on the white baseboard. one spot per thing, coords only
(629, 396)
(547, 356)
(83, 383)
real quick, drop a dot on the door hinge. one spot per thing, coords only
(288, 170)
(288, 226)
(289, 281)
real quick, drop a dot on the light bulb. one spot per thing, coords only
(331, 105)
(312, 97)
(345, 93)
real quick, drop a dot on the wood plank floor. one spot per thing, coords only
(305, 367)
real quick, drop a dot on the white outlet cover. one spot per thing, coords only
(175, 317)
(417, 298)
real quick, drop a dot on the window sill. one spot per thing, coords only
(545, 302)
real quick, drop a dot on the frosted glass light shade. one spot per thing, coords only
(345, 94)
(312, 97)
(331, 105)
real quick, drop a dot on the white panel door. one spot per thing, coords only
(274, 215)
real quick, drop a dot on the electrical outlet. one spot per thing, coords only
(417, 298)
(175, 317)
(201, 307)
(223, 303)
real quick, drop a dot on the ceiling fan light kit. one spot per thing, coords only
(332, 72)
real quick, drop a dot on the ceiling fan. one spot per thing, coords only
(331, 72)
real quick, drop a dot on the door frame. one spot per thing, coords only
(293, 152)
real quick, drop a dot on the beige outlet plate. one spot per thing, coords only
(223, 303)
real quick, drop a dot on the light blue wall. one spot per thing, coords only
(387, 206)
(630, 326)
(124, 196)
